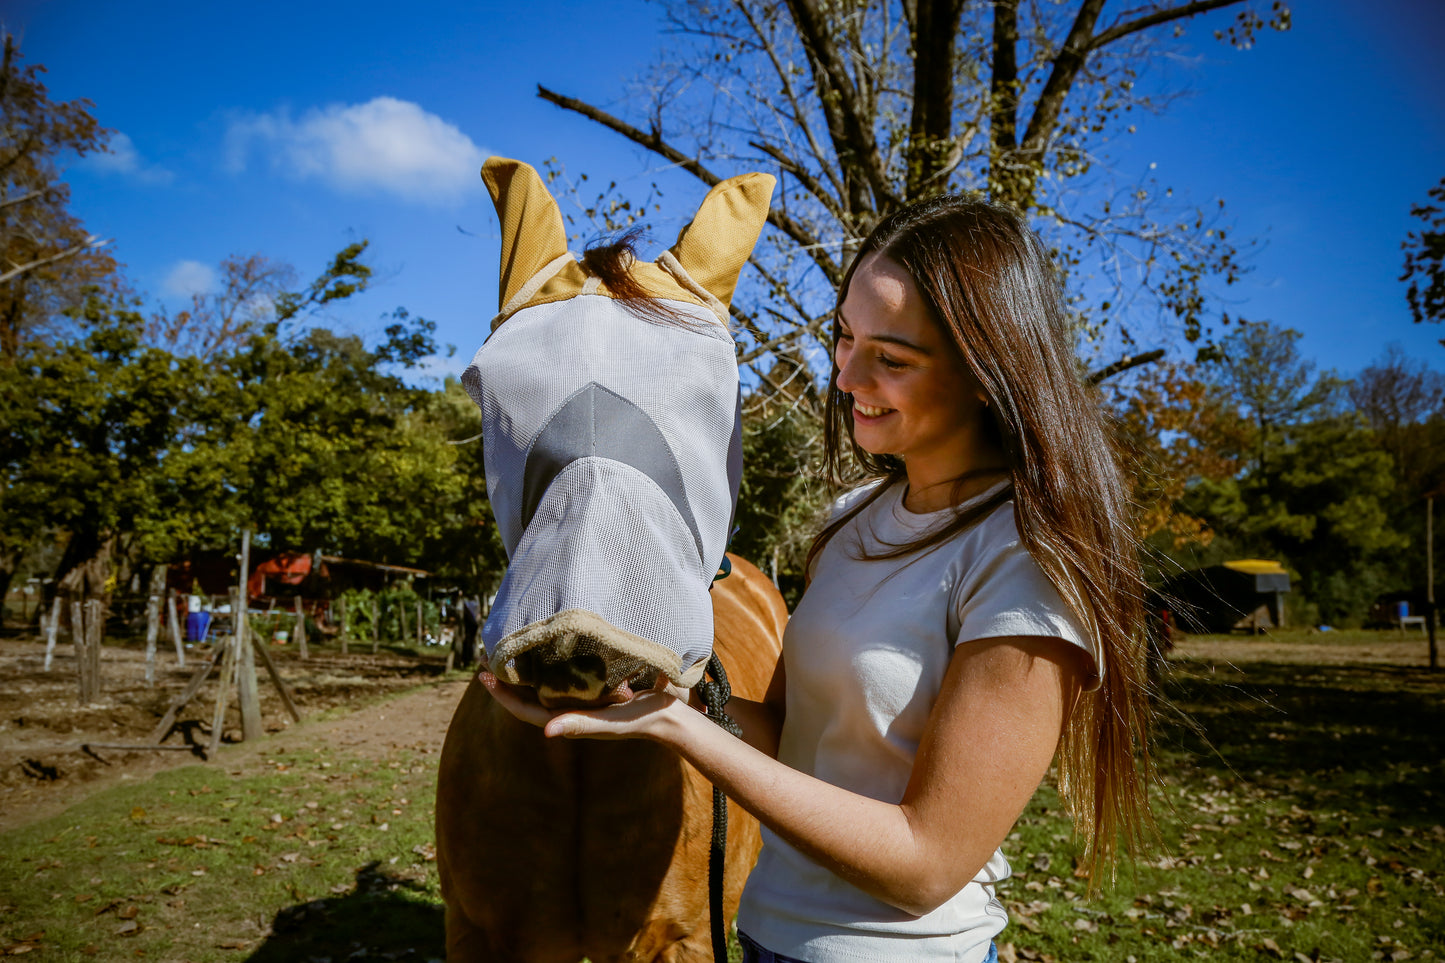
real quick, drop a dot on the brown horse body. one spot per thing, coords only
(554, 850)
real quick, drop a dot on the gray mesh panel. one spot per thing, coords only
(607, 540)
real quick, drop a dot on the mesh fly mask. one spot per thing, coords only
(612, 446)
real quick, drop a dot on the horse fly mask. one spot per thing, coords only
(612, 446)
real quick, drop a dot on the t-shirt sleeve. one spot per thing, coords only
(1008, 594)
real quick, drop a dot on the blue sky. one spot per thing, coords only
(261, 128)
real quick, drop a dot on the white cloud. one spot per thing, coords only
(384, 144)
(188, 278)
(124, 160)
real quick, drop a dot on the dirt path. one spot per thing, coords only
(399, 700)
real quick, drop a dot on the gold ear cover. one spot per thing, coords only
(715, 246)
(532, 231)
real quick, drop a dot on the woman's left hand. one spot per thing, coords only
(641, 716)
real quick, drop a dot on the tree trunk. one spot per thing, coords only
(85, 565)
(8, 564)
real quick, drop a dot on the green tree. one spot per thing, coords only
(465, 548)
(783, 496)
(309, 438)
(1272, 387)
(1318, 486)
(315, 440)
(87, 428)
(1327, 514)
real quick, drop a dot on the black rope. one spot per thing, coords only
(715, 695)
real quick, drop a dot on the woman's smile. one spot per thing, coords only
(870, 412)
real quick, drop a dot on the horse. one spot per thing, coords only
(613, 476)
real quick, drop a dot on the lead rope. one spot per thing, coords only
(715, 696)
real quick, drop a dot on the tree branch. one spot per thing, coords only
(654, 142)
(28, 196)
(1156, 18)
(804, 177)
(1124, 364)
(800, 117)
(1067, 64)
(852, 136)
(89, 244)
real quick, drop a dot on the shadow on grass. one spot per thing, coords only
(1318, 731)
(384, 917)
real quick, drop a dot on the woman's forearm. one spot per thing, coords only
(867, 842)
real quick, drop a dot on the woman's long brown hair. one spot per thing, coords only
(995, 292)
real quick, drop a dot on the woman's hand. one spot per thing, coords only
(643, 716)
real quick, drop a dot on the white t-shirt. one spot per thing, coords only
(866, 652)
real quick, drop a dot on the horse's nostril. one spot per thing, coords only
(580, 678)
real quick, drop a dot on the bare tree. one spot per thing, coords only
(1397, 395)
(863, 105)
(220, 320)
(47, 259)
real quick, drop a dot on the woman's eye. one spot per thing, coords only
(889, 363)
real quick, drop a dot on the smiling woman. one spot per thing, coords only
(913, 396)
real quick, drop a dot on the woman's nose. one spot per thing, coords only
(848, 374)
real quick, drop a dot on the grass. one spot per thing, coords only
(1299, 807)
(322, 856)
(1300, 820)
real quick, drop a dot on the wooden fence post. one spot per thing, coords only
(77, 639)
(153, 630)
(375, 625)
(52, 628)
(81, 641)
(401, 617)
(95, 629)
(228, 673)
(420, 636)
(86, 626)
(300, 630)
(153, 620)
(341, 604)
(175, 628)
(247, 695)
